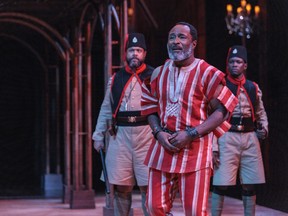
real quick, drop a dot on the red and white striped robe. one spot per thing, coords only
(197, 84)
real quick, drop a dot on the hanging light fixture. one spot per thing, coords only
(245, 20)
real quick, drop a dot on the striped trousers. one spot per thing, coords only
(193, 190)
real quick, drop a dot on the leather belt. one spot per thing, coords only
(247, 125)
(131, 120)
(241, 128)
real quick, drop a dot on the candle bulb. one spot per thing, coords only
(243, 3)
(257, 10)
(248, 8)
(239, 10)
(229, 8)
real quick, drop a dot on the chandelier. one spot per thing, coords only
(244, 22)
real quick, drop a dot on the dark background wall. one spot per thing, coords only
(20, 121)
(274, 193)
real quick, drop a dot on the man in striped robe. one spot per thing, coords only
(182, 92)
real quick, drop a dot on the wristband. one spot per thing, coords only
(192, 132)
(155, 131)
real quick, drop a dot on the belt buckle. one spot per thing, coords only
(131, 119)
(240, 127)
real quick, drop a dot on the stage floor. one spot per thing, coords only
(55, 207)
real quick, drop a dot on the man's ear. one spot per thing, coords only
(194, 43)
(245, 66)
(145, 53)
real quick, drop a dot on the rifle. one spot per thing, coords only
(107, 185)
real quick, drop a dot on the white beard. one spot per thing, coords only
(180, 56)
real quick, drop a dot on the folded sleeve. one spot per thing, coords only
(229, 101)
